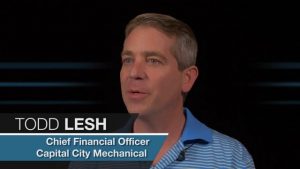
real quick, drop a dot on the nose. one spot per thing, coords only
(137, 70)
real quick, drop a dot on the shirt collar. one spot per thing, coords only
(194, 131)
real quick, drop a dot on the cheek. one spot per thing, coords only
(122, 81)
(122, 75)
(170, 84)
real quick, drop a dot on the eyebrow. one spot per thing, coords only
(153, 53)
(126, 52)
(145, 54)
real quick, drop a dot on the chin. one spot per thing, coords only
(136, 110)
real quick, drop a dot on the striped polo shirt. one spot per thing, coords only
(204, 148)
(199, 147)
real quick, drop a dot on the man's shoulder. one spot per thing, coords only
(222, 143)
(227, 143)
(225, 150)
(232, 148)
(220, 138)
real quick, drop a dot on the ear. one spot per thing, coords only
(190, 75)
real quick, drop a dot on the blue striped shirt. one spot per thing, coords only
(205, 148)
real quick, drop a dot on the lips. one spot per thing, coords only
(136, 94)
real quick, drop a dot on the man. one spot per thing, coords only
(158, 70)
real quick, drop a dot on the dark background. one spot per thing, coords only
(248, 59)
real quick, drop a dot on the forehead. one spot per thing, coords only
(148, 38)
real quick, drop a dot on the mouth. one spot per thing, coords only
(136, 94)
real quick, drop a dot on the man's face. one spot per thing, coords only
(150, 79)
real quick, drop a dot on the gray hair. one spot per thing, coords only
(185, 48)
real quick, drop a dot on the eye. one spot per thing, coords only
(153, 61)
(127, 60)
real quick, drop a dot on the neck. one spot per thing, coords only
(163, 122)
(166, 122)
